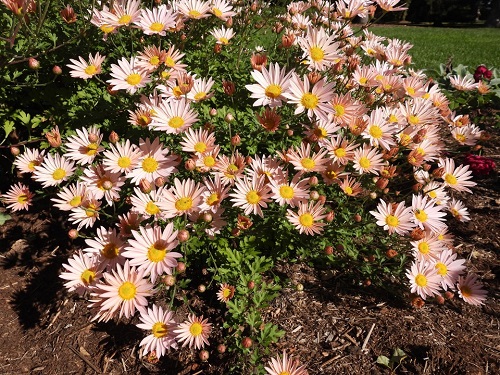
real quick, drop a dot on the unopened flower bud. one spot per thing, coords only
(390, 253)
(15, 150)
(228, 87)
(183, 235)
(357, 218)
(322, 199)
(73, 234)
(56, 69)
(313, 181)
(246, 342)
(221, 348)
(417, 302)
(33, 63)
(145, 186)
(236, 140)
(181, 267)
(251, 284)
(373, 195)
(438, 172)
(449, 294)
(382, 183)
(314, 195)
(367, 282)
(202, 288)
(190, 165)
(229, 118)
(330, 216)
(113, 137)
(416, 187)
(204, 355)
(313, 77)
(93, 138)
(417, 234)
(54, 137)
(439, 299)
(169, 280)
(229, 22)
(213, 112)
(206, 217)
(159, 181)
(217, 48)
(289, 132)
(328, 250)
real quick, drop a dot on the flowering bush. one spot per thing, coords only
(203, 142)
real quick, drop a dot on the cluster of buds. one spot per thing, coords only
(480, 165)
(482, 72)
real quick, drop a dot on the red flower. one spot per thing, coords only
(480, 165)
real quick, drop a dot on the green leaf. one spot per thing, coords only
(384, 361)
(4, 218)
(8, 126)
(398, 356)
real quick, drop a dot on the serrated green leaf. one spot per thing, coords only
(4, 218)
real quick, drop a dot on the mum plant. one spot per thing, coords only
(194, 145)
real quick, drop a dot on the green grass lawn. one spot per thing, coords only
(435, 45)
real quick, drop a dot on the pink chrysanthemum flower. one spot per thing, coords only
(319, 49)
(226, 292)
(194, 9)
(420, 112)
(82, 273)
(207, 160)
(157, 20)
(285, 365)
(394, 218)
(471, 290)
(222, 35)
(307, 219)
(173, 116)
(107, 246)
(350, 186)
(333, 172)
(86, 69)
(153, 163)
(436, 191)
(201, 90)
(129, 222)
(368, 160)
(312, 101)
(124, 289)
(124, 13)
(230, 168)
(29, 159)
(84, 146)
(19, 197)
(194, 332)
(449, 268)
(127, 76)
(391, 5)
(86, 214)
(150, 59)
(427, 248)
(251, 194)
(424, 279)
(304, 160)
(54, 170)
(150, 249)
(459, 211)
(121, 158)
(267, 166)
(214, 194)
(102, 183)
(345, 109)
(321, 130)
(222, 9)
(162, 324)
(466, 83)
(270, 87)
(70, 196)
(379, 132)
(149, 204)
(198, 141)
(340, 149)
(426, 214)
(183, 198)
(290, 193)
(456, 178)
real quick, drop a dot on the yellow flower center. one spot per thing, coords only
(375, 131)
(133, 79)
(404, 139)
(200, 147)
(209, 161)
(154, 60)
(461, 138)
(423, 248)
(212, 199)
(284, 373)
(320, 132)
(339, 109)
(421, 280)
(110, 251)
(156, 27)
(392, 221)
(176, 122)
(152, 208)
(32, 164)
(91, 149)
(59, 174)
(183, 204)
(253, 197)
(363, 80)
(442, 270)
(410, 90)
(414, 120)
(466, 291)
(348, 190)
(196, 329)
(193, 13)
(306, 220)
(157, 251)
(22, 198)
(106, 29)
(149, 164)
(364, 162)
(309, 100)
(127, 291)
(90, 70)
(316, 53)
(286, 192)
(224, 40)
(340, 152)
(75, 201)
(124, 162)
(450, 179)
(421, 215)
(159, 329)
(200, 96)
(170, 62)
(273, 91)
(91, 210)
(432, 194)
(87, 276)
(307, 163)
(125, 19)
(217, 12)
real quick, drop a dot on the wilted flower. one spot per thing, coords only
(68, 14)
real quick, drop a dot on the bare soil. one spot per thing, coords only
(333, 326)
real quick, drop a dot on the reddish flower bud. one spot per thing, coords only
(328, 250)
(56, 69)
(160, 181)
(169, 280)
(221, 348)
(33, 63)
(357, 218)
(113, 137)
(15, 150)
(204, 355)
(145, 186)
(313, 181)
(202, 288)
(213, 112)
(236, 140)
(229, 118)
(246, 342)
(330, 216)
(181, 267)
(183, 235)
(390, 253)
(73, 234)
(251, 284)
(190, 165)
(314, 195)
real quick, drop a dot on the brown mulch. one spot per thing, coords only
(333, 326)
